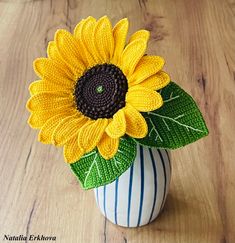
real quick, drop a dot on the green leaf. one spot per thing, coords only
(177, 123)
(93, 170)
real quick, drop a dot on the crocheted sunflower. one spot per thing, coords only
(93, 87)
(98, 98)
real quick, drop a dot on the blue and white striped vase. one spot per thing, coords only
(137, 197)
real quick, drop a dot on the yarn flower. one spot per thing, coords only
(93, 86)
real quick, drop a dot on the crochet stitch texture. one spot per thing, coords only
(93, 86)
(99, 95)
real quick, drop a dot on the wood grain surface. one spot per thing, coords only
(38, 192)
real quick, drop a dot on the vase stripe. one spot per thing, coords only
(142, 184)
(168, 158)
(129, 195)
(97, 196)
(164, 171)
(155, 183)
(168, 171)
(105, 201)
(138, 195)
(116, 201)
(160, 181)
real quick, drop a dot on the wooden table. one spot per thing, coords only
(39, 194)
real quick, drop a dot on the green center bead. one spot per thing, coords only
(100, 89)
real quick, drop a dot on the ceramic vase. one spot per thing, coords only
(137, 197)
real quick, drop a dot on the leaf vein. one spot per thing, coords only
(174, 120)
(171, 98)
(155, 130)
(94, 162)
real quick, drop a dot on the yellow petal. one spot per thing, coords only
(72, 153)
(35, 122)
(70, 50)
(147, 66)
(90, 134)
(38, 119)
(50, 71)
(136, 125)
(117, 127)
(131, 56)
(108, 146)
(143, 99)
(119, 35)
(49, 101)
(140, 34)
(46, 132)
(68, 128)
(40, 86)
(103, 38)
(53, 53)
(77, 29)
(83, 33)
(39, 115)
(156, 81)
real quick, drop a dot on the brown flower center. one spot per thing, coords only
(101, 91)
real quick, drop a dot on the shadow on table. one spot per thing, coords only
(182, 220)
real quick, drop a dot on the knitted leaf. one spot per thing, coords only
(177, 123)
(93, 170)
